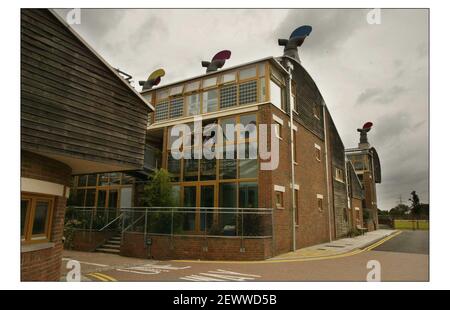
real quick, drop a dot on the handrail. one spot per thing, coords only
(139, 218)
(121, 214)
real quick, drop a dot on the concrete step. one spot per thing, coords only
(107, 250)
(113, 241)
(111, 246)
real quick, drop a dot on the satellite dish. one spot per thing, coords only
(217, 62)
(295, 40)
(153, 79)
(367, 126)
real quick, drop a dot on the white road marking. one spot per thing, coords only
(151, 269)
(220, 275)
(86, 263)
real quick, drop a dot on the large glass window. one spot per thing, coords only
(210, 82)
(207, 169)
(210, 101)
(193, 104)
(190, 172)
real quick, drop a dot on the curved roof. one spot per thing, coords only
(376, 165)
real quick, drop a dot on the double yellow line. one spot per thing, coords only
(102, 277)
(303, 259)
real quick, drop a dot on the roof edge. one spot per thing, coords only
(64, 23)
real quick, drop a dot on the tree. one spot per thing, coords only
(416, 206)
(399, 210)
(159, 192)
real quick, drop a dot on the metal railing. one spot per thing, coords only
(224, 222)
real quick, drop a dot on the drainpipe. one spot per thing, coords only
(327, 170)
(349, 206)
(291, 138)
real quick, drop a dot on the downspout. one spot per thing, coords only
(349, 207)
(327, 170)
(291, 138)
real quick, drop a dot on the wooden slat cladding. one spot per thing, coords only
(308, 95)
(71, 103)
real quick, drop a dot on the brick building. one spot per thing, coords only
(366, 163)
(77, 116)
(229, 207)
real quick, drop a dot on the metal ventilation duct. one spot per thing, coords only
(217, 62)
(296, 39)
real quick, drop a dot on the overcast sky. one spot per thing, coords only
(365, 72)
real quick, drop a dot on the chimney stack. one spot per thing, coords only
(363, 142)
(296, 39)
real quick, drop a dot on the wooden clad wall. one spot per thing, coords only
(308, 95)
(71, 103)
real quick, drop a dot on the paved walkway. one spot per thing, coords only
(338, 247)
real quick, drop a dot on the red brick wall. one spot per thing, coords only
(184, 247)
(357, 203)
(89, 240)
(44, 265)
(310, 175)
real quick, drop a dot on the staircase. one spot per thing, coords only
(111, 246)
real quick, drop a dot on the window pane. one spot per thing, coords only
(176, 90)
(193, 104)
(228, 199)
(113, 198)
(210, 82)
(247, 73)
(189, 201)
(101, 199)
(228, 96)
(262, 89)
(248, 195)
(90, 198)
(275, 94)
(228, 167)
(103, 179)
(176, 107)
(210, 101)
(92, 180)
(82, 180)
(229, 77)
(40, 217)
(228, 129)
(23, 215)
(162, 94)
(114, 178)
(191, 168)
(249, 123)
(247, 92)
(174, 168)
(262, 69)
(207, 169)
(127, 179)
(162, 111)
(76, 197)
(192, 86)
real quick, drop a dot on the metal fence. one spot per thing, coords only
(230, 222)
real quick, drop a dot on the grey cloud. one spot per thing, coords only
(378, 95)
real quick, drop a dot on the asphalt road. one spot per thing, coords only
(402, 258)
(409, 241)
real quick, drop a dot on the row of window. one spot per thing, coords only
(102, 179)
(210, 100)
